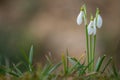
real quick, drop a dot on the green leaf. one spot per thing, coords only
(18, 71)
(14, 74)
(44, 74)
(48, 59)
(31, 55)
(54, 67)
(73, 60)
(115, 71)
(99, 63)
(30, 58)
(64, 62)
(109, 61)
(86, 67)
(25, 56)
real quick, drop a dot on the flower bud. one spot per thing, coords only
(99, 21)
(80, 17)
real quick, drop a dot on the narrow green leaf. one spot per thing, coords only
(19, 72)
(86, 67)
(48, 59)
(31, 55)
(30, 58)
(73, 68)
(14, 74)
(73, 60)
(46, 69)
(67, 61)
(54, 67)
(109, 61)
(25, 56)
(114, 70)
(99, 63)
(64, 64)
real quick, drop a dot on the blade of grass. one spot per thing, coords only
(19, 72)
(77, 66)
(14, 74)
(44, 74)
(64, 62)
(54, 67)
(48, 59)
(25, 56)
(11, 72)
(67, 62)
(30, 58)
(86, 67)
(115, 71)
(109, 61)
(31, 54)
(72, 60)
(99, 63)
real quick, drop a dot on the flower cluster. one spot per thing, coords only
(91, 28)
(94, 23)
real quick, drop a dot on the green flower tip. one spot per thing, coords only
(81, 9)
(111, 58)
(91, 18)
(97, 11)
(104, 55)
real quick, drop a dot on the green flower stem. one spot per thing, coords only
(94, 47)
(91, 53)
(87, 46)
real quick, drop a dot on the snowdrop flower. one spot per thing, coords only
(94, 30)
(99, 21)
(91, 28)
(80, 17)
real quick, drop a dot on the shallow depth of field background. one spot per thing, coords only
(50, 25)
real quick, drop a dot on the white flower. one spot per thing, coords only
(99, 21)
(94, 26)
(91, 28)
(94, 30)
(80, 17)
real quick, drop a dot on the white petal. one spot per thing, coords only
(94, 30)
(95, 21)
(80, 18)
(91, 24)
(90, 29)
(99, 21)
(94, 27)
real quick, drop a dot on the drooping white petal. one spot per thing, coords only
(99, 21)
(90, 28)
(95, 21)
(90, 31)
(94, 30)
(94, 26)
(80, 18)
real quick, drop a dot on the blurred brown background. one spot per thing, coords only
(51, 26)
